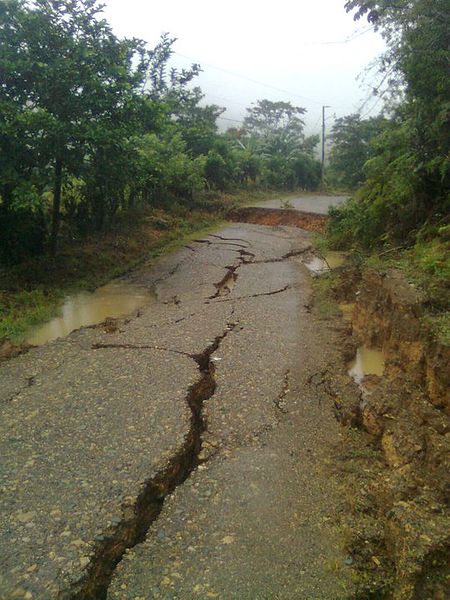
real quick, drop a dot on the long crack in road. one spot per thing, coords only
(183, 453)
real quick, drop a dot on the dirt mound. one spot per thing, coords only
(276, 216)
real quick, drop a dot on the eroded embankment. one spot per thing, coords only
(276, 216)
(400, 519)
(133, 528)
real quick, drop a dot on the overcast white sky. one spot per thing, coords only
(311, 50)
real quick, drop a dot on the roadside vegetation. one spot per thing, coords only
(396, 230)
(97, 132)
(398, 164)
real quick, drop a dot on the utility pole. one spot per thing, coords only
(323, 144)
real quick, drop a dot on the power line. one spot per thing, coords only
(227, 99)
(317, 122)
(256, 82)
(379, 99)
(351, 38)
(267, 85)
(228, 119)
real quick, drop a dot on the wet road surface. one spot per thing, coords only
(189, 433)
(312, 203)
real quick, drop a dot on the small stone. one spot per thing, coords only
(26, 517)
(228, 539)
(32, 569)
(348, 561)
(66, 533)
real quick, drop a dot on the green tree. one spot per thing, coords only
(286, 155)
(352, 137)
(408, 176)
(62, 65)
(197, 123)
(276, 126)
(268, 119)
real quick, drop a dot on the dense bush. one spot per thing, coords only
(406, 174)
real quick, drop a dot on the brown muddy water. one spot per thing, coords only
(115, 299)
(347, 311)
(366, 362)
(335, 259)
(319, 265)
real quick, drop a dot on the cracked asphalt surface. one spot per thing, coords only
(199, 404)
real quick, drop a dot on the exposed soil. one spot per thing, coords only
(275, 216)
(9, 350)
(399, 461)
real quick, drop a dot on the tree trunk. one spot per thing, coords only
(56, 218)
(99, 211)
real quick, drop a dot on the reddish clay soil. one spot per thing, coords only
(276, 216)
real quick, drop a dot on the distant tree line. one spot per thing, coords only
(92, 126)
(399, 162)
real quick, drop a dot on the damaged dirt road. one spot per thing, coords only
(182, 452)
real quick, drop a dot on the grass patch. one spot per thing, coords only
(427, 265)
(324, 303)
(440, 327)
(21, 311)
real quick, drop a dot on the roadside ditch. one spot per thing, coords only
(395, 455)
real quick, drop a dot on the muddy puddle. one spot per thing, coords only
(116, 299)
(347, 311)
(335, 259)
(366, 362)
(318, 265)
